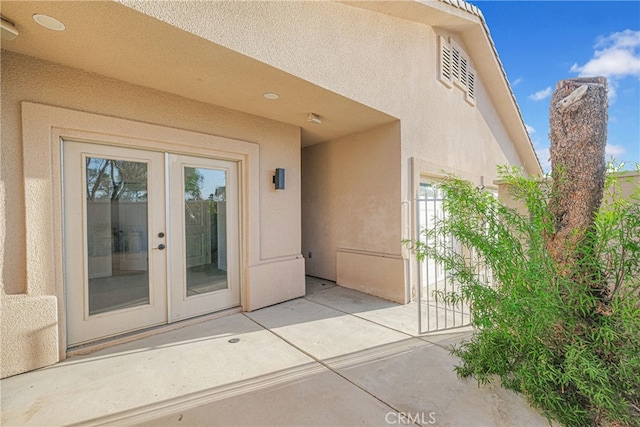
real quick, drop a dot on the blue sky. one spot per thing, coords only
(543, 42)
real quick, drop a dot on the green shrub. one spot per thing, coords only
(573, 353)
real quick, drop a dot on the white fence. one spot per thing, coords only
(434, 281)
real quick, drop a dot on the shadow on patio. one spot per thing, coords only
(335, 357)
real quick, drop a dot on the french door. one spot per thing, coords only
(204, 236)
(149, 238)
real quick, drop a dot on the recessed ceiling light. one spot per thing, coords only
(49, 22)
(271, 95)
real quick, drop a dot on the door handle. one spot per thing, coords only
(160, 246)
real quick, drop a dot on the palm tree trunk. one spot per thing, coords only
(578, 134)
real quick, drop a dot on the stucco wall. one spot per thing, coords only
(29, 79)
(272, 247)
(367, 56)
(454, 135)
(385, 62)
(627, 186)
(351, 205)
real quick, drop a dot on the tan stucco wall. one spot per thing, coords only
(384, 62)
(273, 261)
(351, 208)
(628, 185)
(29, 327)
(453, 135)
(388, 63)
(354, 232)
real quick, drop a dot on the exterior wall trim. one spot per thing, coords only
(44, 127)
(355, 268)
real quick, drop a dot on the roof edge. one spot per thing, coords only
(466, 6)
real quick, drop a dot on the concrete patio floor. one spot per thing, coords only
(333, 358)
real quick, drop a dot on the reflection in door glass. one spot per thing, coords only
(205, 213)
(117, 234)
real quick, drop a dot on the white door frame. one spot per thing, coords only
(168, 300)
(45, 126)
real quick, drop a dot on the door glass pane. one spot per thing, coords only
(117, 234)
(205, 224)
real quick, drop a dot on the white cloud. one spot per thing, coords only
(517, 81)
(545, 158)
(530, 129)
(610, 63)
(614, 151)
(615, 57)
(622, 39)
(541, 94)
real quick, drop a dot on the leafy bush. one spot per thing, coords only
(574, 353)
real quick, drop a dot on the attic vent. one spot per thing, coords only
(471, 86)
(445, 61)
(455, 64)
(463, 72)
(455, 68)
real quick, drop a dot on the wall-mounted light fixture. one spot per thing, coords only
(314, 118)
(278, 179)
(9, 31)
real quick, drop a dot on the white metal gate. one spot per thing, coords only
(434, 281)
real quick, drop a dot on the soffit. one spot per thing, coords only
(434, 13)
(113, 40)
